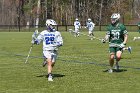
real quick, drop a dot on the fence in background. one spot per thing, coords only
(16, 28)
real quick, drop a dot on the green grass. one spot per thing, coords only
(79, 68)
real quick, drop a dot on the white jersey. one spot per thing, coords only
(50, 40)
(90, 26)
(77, 24)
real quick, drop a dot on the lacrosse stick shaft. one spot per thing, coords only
(29, 53)
(97, 38)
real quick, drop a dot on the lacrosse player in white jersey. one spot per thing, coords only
(77, 26)
(90, 26)
(52, 40)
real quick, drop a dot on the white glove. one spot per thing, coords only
(59, 44)
(122, 45)
(34, 37)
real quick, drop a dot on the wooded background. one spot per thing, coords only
(64, 12)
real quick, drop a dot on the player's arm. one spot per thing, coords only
(122, 45)
(106, 37)
(59, 40)
(125, 38)
(125, 35)
(39, 39)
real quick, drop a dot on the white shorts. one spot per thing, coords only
(76, 30)
(50, 54)
(90, 32)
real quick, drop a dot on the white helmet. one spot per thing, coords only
(76, 19)
(115, 17)
(89, 19)
(50, 23)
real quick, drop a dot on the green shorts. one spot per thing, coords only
(114, 49)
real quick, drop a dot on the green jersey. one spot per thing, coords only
(116, 34)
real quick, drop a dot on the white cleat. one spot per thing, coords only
(116, 67)
(129, 49)
(110, 71)
(50, 78)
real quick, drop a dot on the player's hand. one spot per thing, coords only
(36, 42)
(103, 41)
(59, 44)
(122, 45)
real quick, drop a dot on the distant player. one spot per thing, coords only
(139, 27)
(117, 35)
(137, 38)
(52, 40)
(90, 26)
(77, 26)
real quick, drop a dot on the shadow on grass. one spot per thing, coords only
(117, 71)
(54, 75)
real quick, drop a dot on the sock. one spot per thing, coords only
(117, 64)
(50, 74)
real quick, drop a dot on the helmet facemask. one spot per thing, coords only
(50, 28)
(115, 18)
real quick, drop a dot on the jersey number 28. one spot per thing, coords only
(49, 40)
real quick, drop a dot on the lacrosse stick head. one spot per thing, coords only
(36, 32)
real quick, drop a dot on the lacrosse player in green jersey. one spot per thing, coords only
(117, 36)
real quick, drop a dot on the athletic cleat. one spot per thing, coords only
(44, 64)
(110, 70)
(50, 78)
(129, 49)
(117, 67)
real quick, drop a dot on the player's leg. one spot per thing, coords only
(50, 78)
(76, 32)
(48, 56)
(51, 63)
(111, 62)
(139, 29)
(111, 59)
(118, 57)
(90, 35)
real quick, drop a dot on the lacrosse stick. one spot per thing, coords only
(71, 31)
(29, 53)
(97, 38)
(93, 36)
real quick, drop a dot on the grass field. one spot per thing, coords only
(80, 67)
